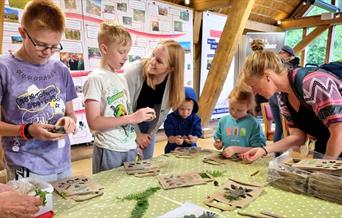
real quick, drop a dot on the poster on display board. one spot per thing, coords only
(212, 28)
(148, 22)
(273, 40)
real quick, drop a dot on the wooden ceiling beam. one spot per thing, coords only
(203, 5)
(262, 27)
(309, 38)
(301, 10)
(227, 47)
(311, 21)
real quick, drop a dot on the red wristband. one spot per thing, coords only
(22, 132)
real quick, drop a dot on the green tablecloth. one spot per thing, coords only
(118, 184)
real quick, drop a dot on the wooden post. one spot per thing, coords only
(309, 38)
(197, 50)
(225, 52)
(330, 44)
(303, 53)
(2, 14)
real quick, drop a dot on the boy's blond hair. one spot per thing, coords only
(110, 32)
(43, 15)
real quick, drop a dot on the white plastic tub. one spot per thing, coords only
(24, 186)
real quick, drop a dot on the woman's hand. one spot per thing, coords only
(68, 123)
(14, 204)
(218, 144)
(143, 140)
(253, 154)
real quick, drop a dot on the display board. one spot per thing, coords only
(212, 28)
(273, 40)
(148, 22)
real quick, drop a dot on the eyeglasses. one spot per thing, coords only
(53, 48)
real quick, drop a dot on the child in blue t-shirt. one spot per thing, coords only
(239, 131)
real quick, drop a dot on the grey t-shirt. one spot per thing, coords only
(35, 94)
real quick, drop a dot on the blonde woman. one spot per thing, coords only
(156, 82)
(316, 113)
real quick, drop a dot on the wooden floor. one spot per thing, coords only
(83, 166)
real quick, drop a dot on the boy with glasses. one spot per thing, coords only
(36, 95)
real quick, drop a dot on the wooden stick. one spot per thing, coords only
(256, 172)
(271, 214)
(250, 215)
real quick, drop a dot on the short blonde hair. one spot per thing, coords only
(259, 61)
(176, 57)
(243, 94)
(110, 32)
(43, 15)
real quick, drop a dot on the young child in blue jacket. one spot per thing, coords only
(183, 126)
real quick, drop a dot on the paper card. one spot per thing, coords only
(233, 195)
(183, 180)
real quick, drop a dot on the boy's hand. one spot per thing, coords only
(143, 114)
(228, 152)
(143, 140)
(42, 132)
(218, 144)
(179, 140)
(191, 139)
(68, 123)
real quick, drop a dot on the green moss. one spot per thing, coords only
(42, 195)
(216, 173)
(142, 201)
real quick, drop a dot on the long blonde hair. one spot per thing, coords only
(259, 61)
(175, 56)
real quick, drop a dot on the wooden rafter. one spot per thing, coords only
(302, 54)
(300, 10)
(261, 27)
(330, 44)
(225, 52)
(202, 5)
(311, 21)
(309, 38)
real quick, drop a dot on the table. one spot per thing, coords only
(117, 183)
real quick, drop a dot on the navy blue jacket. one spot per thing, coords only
(175, 125)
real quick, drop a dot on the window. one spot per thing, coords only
(337, 50)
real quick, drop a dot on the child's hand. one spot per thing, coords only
(191, 139)
(143, 114)
(179, 140)
(41, 131)
(229, 151)
(68, 123)
(218, 144)
(143, 140)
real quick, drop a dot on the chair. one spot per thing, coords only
(268, 118)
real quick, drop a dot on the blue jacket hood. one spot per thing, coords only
(190, 94)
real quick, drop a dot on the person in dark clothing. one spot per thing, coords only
(183, 126)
